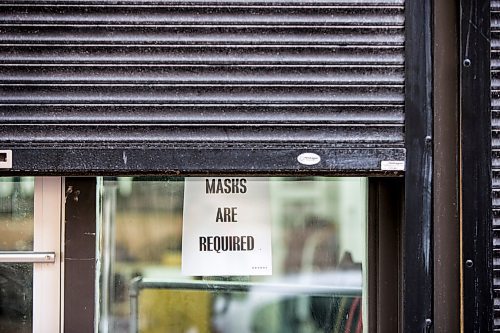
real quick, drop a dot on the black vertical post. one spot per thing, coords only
(476, 166)
(79, 256)
(446, 222)
(417, 226)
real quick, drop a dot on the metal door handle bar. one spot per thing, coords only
(18, 257)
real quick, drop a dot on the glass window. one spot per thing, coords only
(16, 234)
(317, 233)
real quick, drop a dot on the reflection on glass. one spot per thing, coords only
(16, 234)
(318, 250)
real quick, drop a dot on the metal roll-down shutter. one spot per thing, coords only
(495, 122)
(140, 86)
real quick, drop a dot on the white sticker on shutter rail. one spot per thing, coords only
(226, 227)
(309, 158)
(5, 159)
(392, 165)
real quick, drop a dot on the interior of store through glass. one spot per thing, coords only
(233, 254)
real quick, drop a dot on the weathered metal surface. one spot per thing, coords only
(495, 108)
(417, 229)
(186, 159)
(284, 73)
(476, 157)
(495, 122)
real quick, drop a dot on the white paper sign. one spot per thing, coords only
(226, 227)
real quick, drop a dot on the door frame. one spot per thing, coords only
(47, 287)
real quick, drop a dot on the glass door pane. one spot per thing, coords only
(318, 256)
(30, 238)
(16, 234)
